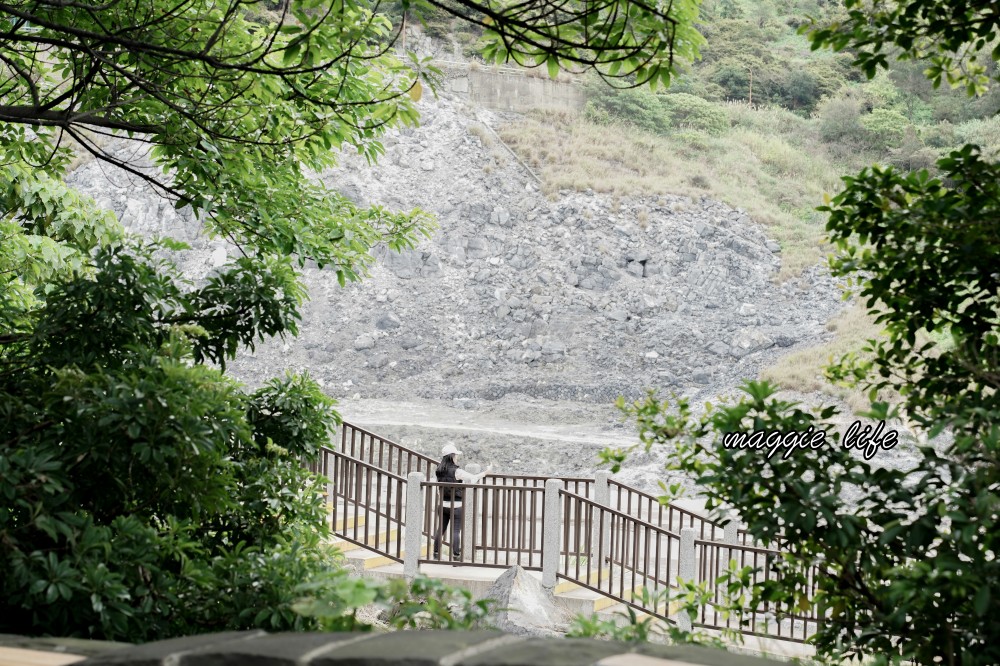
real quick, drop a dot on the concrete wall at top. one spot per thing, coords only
(506, 90)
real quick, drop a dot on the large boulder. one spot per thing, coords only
(524, 607)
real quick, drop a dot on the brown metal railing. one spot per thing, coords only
(648, 508)
(577, 485)
(618, 550)
(502, 525)
(368, 503)
(617, 555)
(383, 453)
(745, 538)
(769, 619)
(380, 452)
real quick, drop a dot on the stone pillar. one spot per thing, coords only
(686, 570)
(730, 533)
(551, 532)
(468, 539)
(601, 539)
(414, 524)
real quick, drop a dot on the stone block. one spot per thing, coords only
(154, 654)
(525, 607)
(388, 321)
(538, 651)
(405, 648)
(284, 649)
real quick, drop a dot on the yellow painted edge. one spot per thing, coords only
(344, 523)
(373, 540)
(595, 578)
(20, 657)
(383, 561)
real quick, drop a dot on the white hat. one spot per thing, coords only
(450, 450)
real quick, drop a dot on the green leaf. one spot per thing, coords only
(291, 52)
(552, 63)
(981, 603)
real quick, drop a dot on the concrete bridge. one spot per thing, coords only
(601, 546)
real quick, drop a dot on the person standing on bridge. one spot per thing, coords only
(448, 471)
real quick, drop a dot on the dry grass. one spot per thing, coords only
(803, 370)
(484, 135)
(762, 165)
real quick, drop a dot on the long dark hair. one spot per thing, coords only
(445, 463)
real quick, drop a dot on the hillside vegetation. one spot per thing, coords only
(760, 122)
(765, 124)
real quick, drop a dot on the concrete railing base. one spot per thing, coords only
(403, 648)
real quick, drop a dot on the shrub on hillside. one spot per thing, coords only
(984, 133)
(637, 107)
(941, 135)
(687, 112)
(693, 85)
(798, 90)
(886, 128)
(733, 77)
(840, 121)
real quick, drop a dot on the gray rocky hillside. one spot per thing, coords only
(519, 297)
(573, 298)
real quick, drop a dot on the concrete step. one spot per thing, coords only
(616, 609)
(583, 601)
(373, 539)
(349, 522)
(366, 559)
(595, 578)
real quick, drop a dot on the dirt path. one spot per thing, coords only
(539, 419)
(514, 435)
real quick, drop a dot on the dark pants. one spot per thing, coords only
(454, 516)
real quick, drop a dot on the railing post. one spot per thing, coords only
(328, 473)
(551, 532)
(414, 524)
(466, 538)
(601, 539)
(731, 533)
(686, 570)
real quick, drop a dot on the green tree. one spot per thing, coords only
(688, 112)
(146, 494)
(636, 107)
(139, 481)
(886, 128)
(906, 557)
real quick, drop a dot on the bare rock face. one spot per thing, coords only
(540, 308)
(525, 607)
(563, 298)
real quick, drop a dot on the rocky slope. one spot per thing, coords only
(519, 299)
(568, 299)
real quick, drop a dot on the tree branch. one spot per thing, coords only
(38, 115)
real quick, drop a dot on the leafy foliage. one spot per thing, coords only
(929, 257)
(218, 94)
(908, 570)
(907, 556)
(145, 493)
(627, 42)
(655, 113)
(949, 35)
(423, 603)
(139, 481)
